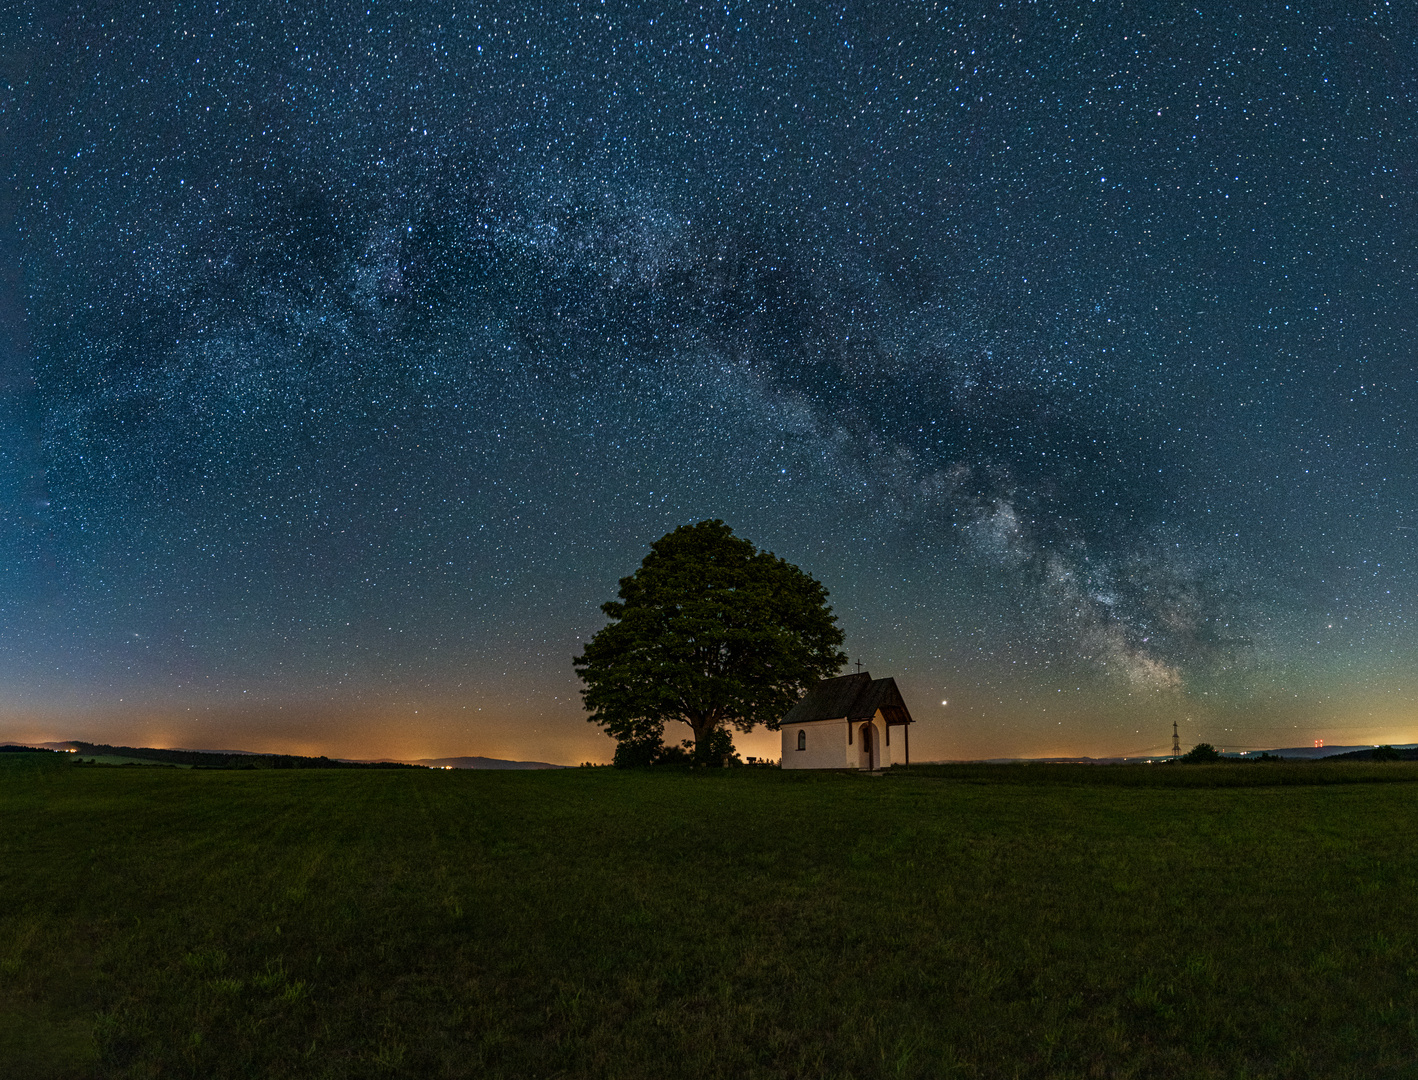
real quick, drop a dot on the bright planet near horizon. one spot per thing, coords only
(351, 355)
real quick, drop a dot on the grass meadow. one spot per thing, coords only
(1210, 921)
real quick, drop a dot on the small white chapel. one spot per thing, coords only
(845, 723)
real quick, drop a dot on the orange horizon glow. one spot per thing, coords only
(562, 736)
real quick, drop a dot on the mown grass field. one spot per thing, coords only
(962, 921)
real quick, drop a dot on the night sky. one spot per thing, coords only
(352, 352)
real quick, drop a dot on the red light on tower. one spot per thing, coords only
(1319, 742)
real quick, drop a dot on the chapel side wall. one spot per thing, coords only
(826, 745)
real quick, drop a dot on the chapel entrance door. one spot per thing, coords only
(869, 747)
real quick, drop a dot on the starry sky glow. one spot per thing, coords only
(351, 352)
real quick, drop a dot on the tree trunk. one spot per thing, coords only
(702, 737)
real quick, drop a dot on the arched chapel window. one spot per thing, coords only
(802, 740)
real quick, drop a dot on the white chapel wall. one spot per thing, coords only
(826, 746)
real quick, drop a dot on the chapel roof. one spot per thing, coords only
(851, 697)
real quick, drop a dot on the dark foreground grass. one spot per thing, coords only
(158, 922)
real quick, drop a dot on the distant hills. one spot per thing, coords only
(1308, 752)
(246, 759)
(1403, 753)
(103, 753)
(483, 763)
(1313, 753)
(1406, 752)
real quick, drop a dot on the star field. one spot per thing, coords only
(351, 354)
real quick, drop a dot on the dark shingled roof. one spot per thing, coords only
(850, 697)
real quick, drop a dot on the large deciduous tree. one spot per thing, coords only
(709, 631)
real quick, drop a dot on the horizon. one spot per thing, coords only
(535, 736)
(1298, 751)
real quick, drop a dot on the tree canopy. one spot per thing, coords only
(709, 631)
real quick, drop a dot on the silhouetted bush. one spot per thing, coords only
(1203, 751)
(643, 752)
(637, 753)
